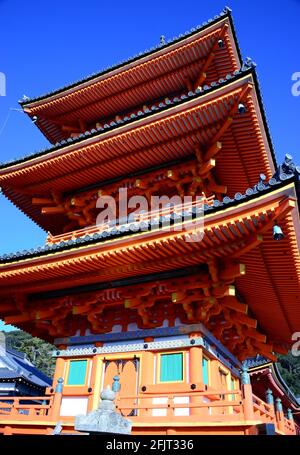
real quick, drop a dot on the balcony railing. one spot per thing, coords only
(207, 406)
(220, 406)
(25, 407)
(263, 410)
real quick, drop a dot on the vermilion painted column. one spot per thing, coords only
(91, 385)
(146, 379)
(59, 370)
(57, 400)
(195, 371)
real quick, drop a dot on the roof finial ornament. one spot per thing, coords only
(248, 63)
(227, 10)
(25, 98)
(287, 168)
(162, 40)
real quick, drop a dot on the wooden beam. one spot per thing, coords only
(231, 271)
(213, 150)
(207, 166)
(41, 201)
(223, 129)
(222, 290)
(52, 210)
(243, 319)
(253, 333)
(17, 318)
(215, 188)
(252, 242)
(71, 129)
(232, 303)
(244, 92)
(202, 76)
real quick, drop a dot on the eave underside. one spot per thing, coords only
(169, 70)
(233, 234)
(244, 152)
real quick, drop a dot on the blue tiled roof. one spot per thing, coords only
(18, 366)
(285, 173)
(257, 361)
(163, 44)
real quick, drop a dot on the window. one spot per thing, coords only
(171, 367)
(77, 372)
(205, 363)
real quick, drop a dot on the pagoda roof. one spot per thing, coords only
(104, 93)
(124, 229)
(232, 229)
(168, 131)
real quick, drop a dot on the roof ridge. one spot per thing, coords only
(248, 66)
(226, 12)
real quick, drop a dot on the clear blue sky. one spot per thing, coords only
(45, 45)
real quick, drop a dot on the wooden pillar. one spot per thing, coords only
(147, 375)
(247, 395)
(59, 370)
(195, 370)
(93, 390)
(57, 400)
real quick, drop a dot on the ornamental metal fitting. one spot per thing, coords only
(269, 397)
(59, 385)
(278, 405)
(116, 386)
(245, 377)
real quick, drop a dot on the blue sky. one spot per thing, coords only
(45, 45)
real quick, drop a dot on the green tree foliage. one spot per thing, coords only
(289, 367)
(37, 351)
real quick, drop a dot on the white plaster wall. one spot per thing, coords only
(72, 406)
(181, 411)
(159, 412)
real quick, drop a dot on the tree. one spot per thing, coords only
(289, 367)
(39, 352)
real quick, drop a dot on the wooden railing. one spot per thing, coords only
(289, 427)
(211, 406)
(25, 407)
(206, 406)
(263, 410)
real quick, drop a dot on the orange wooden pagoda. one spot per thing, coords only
(173, 318)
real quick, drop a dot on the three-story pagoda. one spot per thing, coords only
(137, 299)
